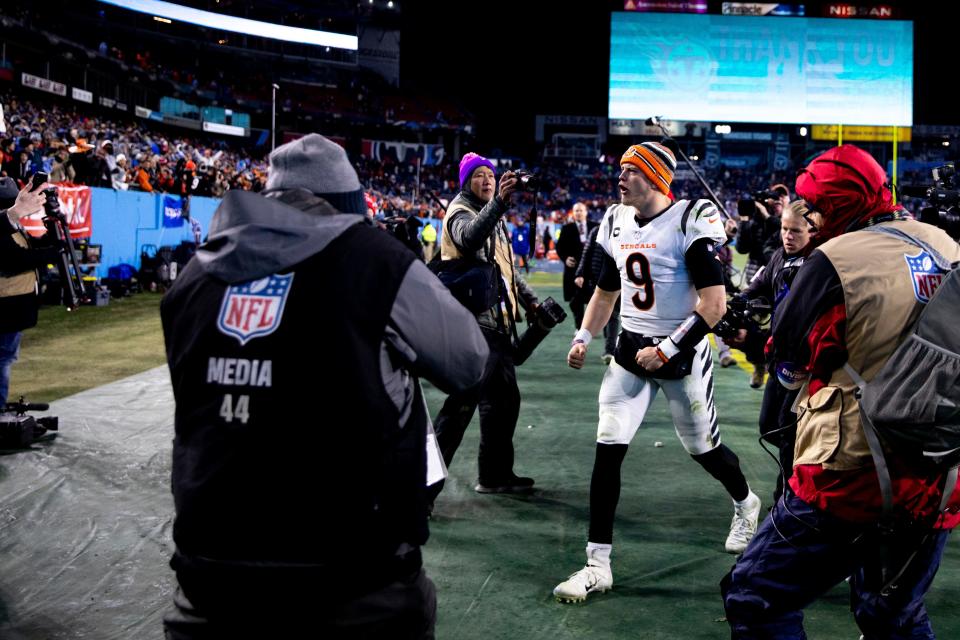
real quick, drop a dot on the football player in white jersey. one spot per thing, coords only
(660, 259)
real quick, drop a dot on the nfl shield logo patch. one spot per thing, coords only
(926, 275)
(254, 309)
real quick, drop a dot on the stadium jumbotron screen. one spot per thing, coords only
(761, 69)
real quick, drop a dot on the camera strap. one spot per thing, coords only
(532, 224)
(490, 254)
(513, 322)
(505, 295)
(940, 261)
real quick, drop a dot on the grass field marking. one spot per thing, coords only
(662, 571)
(474, 602)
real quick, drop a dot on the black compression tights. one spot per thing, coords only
(724, 465)
(605, 491)
(721, 463)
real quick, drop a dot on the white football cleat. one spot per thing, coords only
(744, 524)
(593, 578)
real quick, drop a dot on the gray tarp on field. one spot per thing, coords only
(85, 521)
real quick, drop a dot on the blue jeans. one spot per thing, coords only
(800, 552)
(9, 349)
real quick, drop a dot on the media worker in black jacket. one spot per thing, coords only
(777, 420)
(295, 338)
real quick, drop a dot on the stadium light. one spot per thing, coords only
(946, 143)
(722, 129)
(159, 9)
(803, 131)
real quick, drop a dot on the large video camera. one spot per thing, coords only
(743, 313)
(19, 431)
(944, 198)
(549, 314)
(58, 228)
(747, 206)
(544, 318)
(404, 229)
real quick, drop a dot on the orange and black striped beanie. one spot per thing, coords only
(655, 160)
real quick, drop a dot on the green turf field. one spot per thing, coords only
(70, 351)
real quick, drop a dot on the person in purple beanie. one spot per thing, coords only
(474, 232)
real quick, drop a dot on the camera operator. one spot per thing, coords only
(300, 493)
(20, 257)
(473, 229)
(852, 303)
(758, 233)
(406, 229)
(773, 284)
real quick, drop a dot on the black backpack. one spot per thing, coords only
(912, 405)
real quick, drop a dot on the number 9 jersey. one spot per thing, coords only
(657, 290)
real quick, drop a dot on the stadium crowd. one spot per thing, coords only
(72, 146)
(84, 148)
(79, 147)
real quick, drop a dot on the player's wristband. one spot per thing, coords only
(664, 358)
(689, 334)
(582, 337)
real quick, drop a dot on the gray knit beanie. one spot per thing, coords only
(320, 166)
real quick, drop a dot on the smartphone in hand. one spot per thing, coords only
(38, 179)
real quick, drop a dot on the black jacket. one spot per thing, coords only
(591, 261)
(294, 340)
(778, 274)
(476, 228)
(570, 246)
